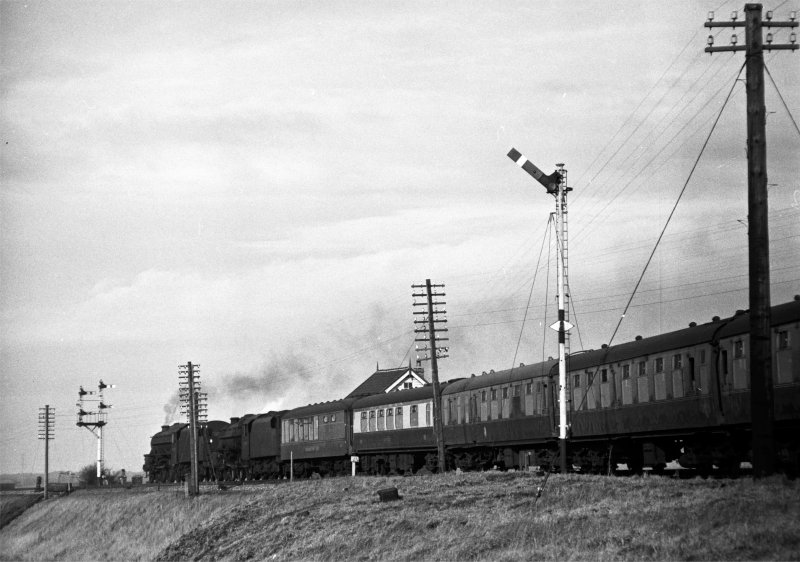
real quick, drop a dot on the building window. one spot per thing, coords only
(407, 385)
(604, 375)
(626, 372)
(642, 368)
(577, 382)
(677, 361)
(783, 339)
(738, 349)
(660, 365)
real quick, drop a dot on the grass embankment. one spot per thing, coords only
(456, 516)
(12, 505)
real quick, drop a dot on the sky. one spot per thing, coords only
(255, 186)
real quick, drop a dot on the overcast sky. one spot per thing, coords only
(255, 186)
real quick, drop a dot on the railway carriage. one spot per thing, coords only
(682, 396)
(317, 438)
(504, 419)
(393, 432)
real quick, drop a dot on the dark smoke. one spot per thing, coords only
(171, 409)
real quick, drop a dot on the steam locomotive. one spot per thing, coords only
(682, 396)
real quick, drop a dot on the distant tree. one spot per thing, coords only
(87, 476)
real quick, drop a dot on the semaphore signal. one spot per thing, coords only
(93, 420)
(556, 185)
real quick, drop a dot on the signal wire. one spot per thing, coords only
(530, 295)
(660, 236)
(674, 207)
(786, 107)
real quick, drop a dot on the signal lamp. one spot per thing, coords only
(734, 39)
(710, 41)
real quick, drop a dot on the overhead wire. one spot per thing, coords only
(675, 206)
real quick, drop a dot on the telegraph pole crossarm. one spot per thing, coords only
(437, 352)
(47, 421)
(762, 408)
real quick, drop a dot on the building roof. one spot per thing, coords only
(383, 380)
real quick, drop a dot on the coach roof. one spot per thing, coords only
(501, 377)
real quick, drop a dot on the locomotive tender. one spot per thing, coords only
(681, 396)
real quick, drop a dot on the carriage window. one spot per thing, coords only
(363, 415)
(702, 356)
(380, 413)
(505, 393)
(738, 349)
(389, 412)
(324, 419)
(494, 394)
(577, 379)
(372, 414)
(399, 410)
(604, 375)
(333, 418)
(483, 396)
(529, 388)
(642, 368)
(677, 361)
(626, 371)
(413, 409)
(659, 364)
(783, 339)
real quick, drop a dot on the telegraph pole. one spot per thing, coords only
(762, 408)
(193, 404)
(428, 323)
(555, 185)
(97, 420)
(47, 421)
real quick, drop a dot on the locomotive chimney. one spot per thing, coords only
(234, 420)
(164, 427)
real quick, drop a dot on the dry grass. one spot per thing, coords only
(14, 504)
(457, 516)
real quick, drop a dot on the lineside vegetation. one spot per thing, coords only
(470, 516)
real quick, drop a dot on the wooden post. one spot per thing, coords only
(761, 390)
(437, 403)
